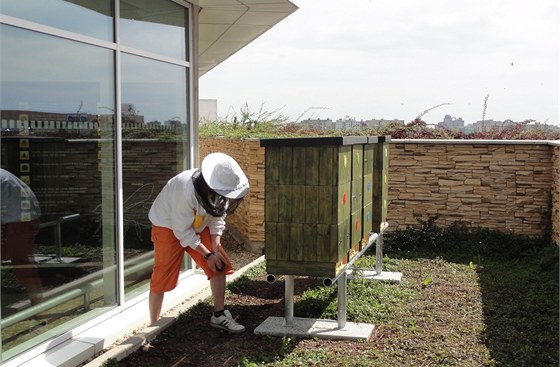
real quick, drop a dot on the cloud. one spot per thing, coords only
(373, 59)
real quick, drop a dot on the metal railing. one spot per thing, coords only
(373, 238)
(77, 288)
(341, 278)
(57, 224)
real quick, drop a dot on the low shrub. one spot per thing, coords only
(459, 237)
(416, 129)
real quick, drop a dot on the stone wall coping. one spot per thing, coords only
(101, 140)
(475, 141)
(86, 140)
(450, 141)
(474, 191)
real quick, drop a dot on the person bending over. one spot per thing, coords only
(20, 213)
(189, 215)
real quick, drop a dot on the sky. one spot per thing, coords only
(397, 59)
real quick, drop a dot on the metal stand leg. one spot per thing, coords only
(342, 300)
(317, 328)
(326, 329)
(58, 241)
(289, 300)
(378, 273)
(379, 255)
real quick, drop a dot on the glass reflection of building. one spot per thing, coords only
(94, 128)
(98, 106)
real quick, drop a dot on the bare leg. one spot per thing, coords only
(155, 301)
(218, 287)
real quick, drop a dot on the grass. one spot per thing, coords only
(503, 312)
(490, 301)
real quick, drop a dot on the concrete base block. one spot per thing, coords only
(385, 276)
(314, 328)
(52, 259)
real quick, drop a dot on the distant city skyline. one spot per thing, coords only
(385, 59)
(208, 111)
(448, 122)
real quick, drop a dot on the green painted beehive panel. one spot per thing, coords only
(380, 181)
(368, 174)
(368, 157)
(356, 208)
(367, 219)
(344, 235)
(342, 247)
(308, 200)
(343, 183)
(367, 190)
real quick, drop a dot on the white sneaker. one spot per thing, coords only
(227, 323)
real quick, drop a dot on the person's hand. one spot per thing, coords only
(216, 262)
(222, 261)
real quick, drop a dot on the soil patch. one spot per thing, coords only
(193, 342)
(447, 311)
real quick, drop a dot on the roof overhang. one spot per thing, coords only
(226, 26)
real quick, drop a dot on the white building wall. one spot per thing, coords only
(207, 110)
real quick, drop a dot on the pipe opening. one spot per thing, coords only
(328, 282)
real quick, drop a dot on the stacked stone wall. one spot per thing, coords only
(555, 217)
(513, 186)
(247, 222)
(503, 186)
(506, 185)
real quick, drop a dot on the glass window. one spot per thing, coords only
(87, 17)
(58, 156)
(58, 213)
(157, 26)
(155, 148)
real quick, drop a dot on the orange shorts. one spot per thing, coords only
(168, 257)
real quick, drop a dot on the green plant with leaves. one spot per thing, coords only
(448, 309)
(261, 123)
(201, 308)
(245, 281)
(462, 239)
(111, 362)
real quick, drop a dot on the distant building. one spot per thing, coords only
(376, 123)
(130, 114)
(486, 125)
(318, 124)
(541, 126)
(452, 123)
(24, 115)
(207, 110)
(347, 124)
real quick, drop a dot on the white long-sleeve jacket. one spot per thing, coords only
(176, 208)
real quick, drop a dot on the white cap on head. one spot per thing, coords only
(223, 175)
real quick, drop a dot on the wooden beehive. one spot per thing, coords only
(313, 203)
